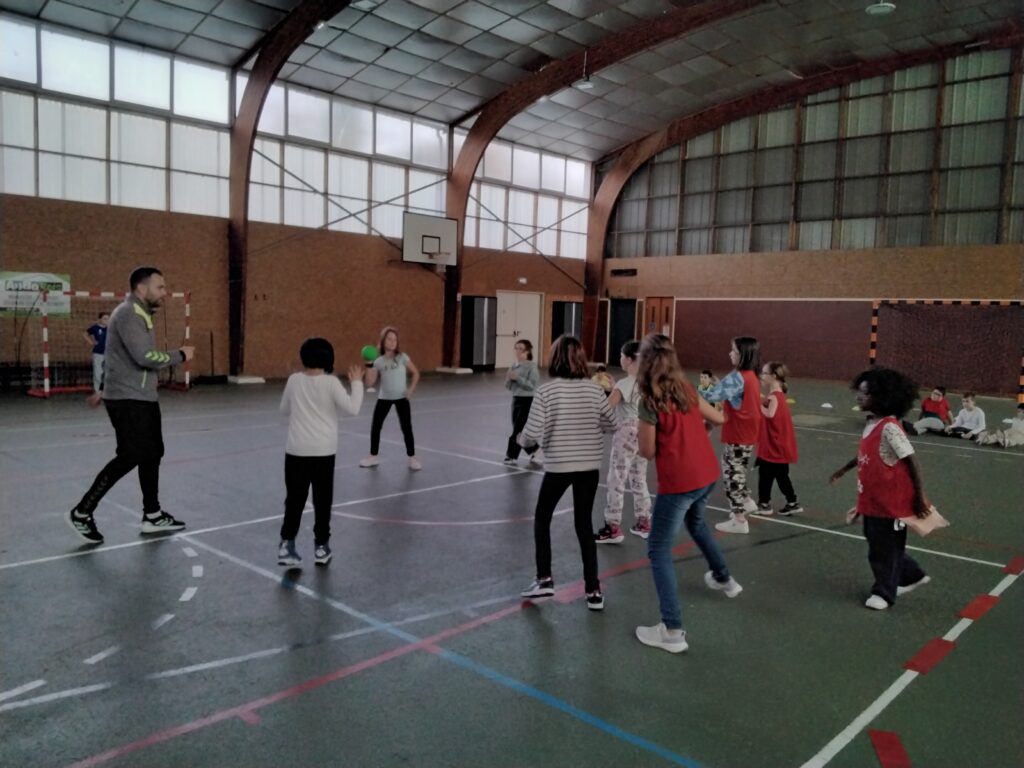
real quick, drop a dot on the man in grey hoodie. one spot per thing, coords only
(129, 394)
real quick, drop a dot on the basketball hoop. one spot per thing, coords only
(438, 258)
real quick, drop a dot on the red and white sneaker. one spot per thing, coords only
(641, 528)
(609, 534)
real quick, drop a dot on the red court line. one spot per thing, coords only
(926, 659)
(576, 590)
(978, 607)
(1015, 566)
(889, 749)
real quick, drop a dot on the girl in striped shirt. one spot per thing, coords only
(569, 417)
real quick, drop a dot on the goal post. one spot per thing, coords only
(54, 340)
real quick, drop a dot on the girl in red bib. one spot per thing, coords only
(740, 395)
(888, 484)
(671, 431)
(776, 444)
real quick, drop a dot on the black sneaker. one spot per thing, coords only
(595, 600)
(84, 527)
(791, 508)
(540, 588)
(161, 522)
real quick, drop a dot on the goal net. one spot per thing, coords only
(49, 351)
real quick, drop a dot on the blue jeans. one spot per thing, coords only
(670, 511)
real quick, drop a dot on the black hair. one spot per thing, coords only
(317, 353)
(102, 314)
(631, 349)
(1020, 406)
(969, 396)
(892, 393)
(707, 373)
(750, 353)
(940, 389)
(141, 275)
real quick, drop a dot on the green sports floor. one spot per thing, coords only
(412, 648)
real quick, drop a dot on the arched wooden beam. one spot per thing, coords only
(551, 79)
(765, 100)
(275, 49)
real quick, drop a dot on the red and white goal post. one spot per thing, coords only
(61, 357)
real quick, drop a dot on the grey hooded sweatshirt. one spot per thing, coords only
(132, 357)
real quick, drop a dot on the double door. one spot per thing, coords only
(518, 318)
(658, 315)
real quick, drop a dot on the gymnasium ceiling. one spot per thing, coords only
(444, 59)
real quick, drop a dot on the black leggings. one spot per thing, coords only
(140, 443)
(300, 472)
(380, 412)
(584, 488)
(520, 413)
(769, 472)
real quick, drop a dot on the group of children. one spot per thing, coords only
(968, 424)
(653, 413)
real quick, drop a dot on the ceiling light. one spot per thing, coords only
(319, 25)
(881, 8)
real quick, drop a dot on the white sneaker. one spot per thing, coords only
(673, 641)
(414, 464)
(730, 587)
(536, 461)
(733, 525)
(749, 505)
(911, 587)
(369, 461)
(876, 603)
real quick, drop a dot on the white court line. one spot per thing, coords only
(847, 735)
(929, 443)
(1003, 585)
(859, 537)
(21, 689)
(46, 698)
(188, 594)
(162, 620)
(197, 571)
(97, 658)
(229, 526)
(189, 552)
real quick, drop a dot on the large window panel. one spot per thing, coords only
(638, 186)
(576, 183)
(497, 161)
(966, 145)
(207, 150)
(552, 173)
(17, 171)
(430, 145)
(978, 64)
(309, 115)
(863, 157)
(303, 209)
(492, 216)
(974, 101)
(774, 166)
(772, 203)
(18, 50)
(734, 207)
(521, 219)
(574, 216)
(138, 187)
(661, 243)
(909, 193)
(860, 197)
(696, 241)
(969, 228)
(389, 199)
(202, 195)
(304, 168)
(914, 110)
(821, 122)
(697, 210)
(732, 240)
(698, 175)
(665, 178)
(139, 140)
(72, 129)
(348, 182)
(547, 218)
(857, 233)
(266, 162)
(72, 178)
(969, 189)
(818, 161)
(272, 114)
(864, 116)
(770, 237)
(17, 119)
(353, 127)
(907, 231)
(701, 146)
(632, 245)
(574, 246)
(738, 136)
(201, 91)
(75, 64)
(394, 136)
(916, 77)
(736, 171)
(816, 201)
(265, 203)
(663, 212)
(815, 235)
(427, 192)
(776, 129)
(632, 215)
(911, 151)
(142, 77)
(525, 168)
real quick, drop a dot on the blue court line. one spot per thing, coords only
(569, 709)
(286, 581)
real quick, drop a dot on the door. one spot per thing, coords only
(658, 315)
(566, 318)
(623, 325)
(518, 318)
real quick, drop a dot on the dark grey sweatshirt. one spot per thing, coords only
(132, 358)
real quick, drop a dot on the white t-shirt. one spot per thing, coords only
(627, 407)
(312, 404)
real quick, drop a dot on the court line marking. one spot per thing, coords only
(837, 744)
(47, 698)
(929, 443)
(106, 653)
(91, 550)
(188, 594)
(162, 620)
(767, 519)
(13, 692)
(197, 571)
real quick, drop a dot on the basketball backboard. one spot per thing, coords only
(429, 239)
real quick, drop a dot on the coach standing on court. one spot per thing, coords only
(129, 394)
